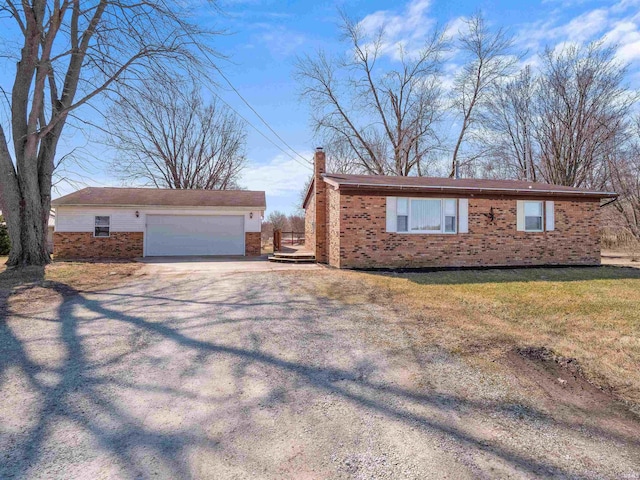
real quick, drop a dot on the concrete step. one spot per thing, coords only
(293, 259)
(294, 255)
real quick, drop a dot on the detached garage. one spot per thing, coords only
(145, 222)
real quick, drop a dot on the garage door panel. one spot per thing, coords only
(177, 235)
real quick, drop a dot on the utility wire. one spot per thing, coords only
(306, 163)
(257, 114)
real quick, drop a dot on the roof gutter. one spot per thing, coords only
(111, 205)
(478, 189)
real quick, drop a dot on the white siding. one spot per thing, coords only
(81, 219)
(74, 221)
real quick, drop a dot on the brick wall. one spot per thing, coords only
(310, 223)
(252, 244)
(364, 242)
(320, 197)
(333, 227)
(84, 245)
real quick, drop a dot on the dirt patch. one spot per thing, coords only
(563, 386)
(621, 258)
(589, 314)
(34, 289)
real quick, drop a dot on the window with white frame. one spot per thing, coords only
(533, 214)
(102, 226)
(403, 214)
(450, 210)
(426, 215)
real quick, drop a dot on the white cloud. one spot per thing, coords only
(626, 34)
(280, 41)
(280, 177)
(406, 30)
(455, 27)
(618, 24)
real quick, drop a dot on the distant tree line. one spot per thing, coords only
(277, 220)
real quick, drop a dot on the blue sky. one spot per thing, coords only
(264, 37)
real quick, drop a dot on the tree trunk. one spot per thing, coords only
(26, 210)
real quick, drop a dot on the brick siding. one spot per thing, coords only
(364, 243)
(310, 223)
(320, 198)
(67, 245)
(252, 244)
(333, 227)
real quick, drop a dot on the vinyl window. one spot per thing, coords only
(426, 215)
(533, 215)
(102, 226)
(403, 215)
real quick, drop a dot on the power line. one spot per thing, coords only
(206, 55)
(256, 113)
(306, 164)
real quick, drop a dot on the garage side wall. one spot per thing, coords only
(252, 244)
(121, 245)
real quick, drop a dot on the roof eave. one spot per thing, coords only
(474, 190)
(138, 205)
(308, 195)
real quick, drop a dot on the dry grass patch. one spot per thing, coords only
(33, 289)
(590, 314)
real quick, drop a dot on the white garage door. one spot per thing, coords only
(176, 235)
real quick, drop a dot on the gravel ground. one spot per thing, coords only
(254, 376)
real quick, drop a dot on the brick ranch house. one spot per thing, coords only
(370, 221)
(144, 222)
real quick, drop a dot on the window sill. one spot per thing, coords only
(425, 233)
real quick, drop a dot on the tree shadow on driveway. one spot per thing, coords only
(81, 388)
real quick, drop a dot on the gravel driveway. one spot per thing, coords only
(254, 376)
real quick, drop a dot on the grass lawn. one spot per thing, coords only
(590, 314)
(30, 289)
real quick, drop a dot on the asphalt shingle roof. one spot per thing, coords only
(110, 196)
(438, 184)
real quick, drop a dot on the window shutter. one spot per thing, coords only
(392, 219)
(463, 212)
(520, 216)
(551, 216)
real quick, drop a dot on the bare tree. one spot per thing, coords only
(509, 128)
(296, 222)
(71, 51)
(169, 138)
(278, 220)
(489, 59)
(302, 194)
(385, 119)
(582, 111)
(341, 157)
(624, 167)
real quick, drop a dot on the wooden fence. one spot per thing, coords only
(281, 238)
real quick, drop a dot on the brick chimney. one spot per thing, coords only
(319, 167)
